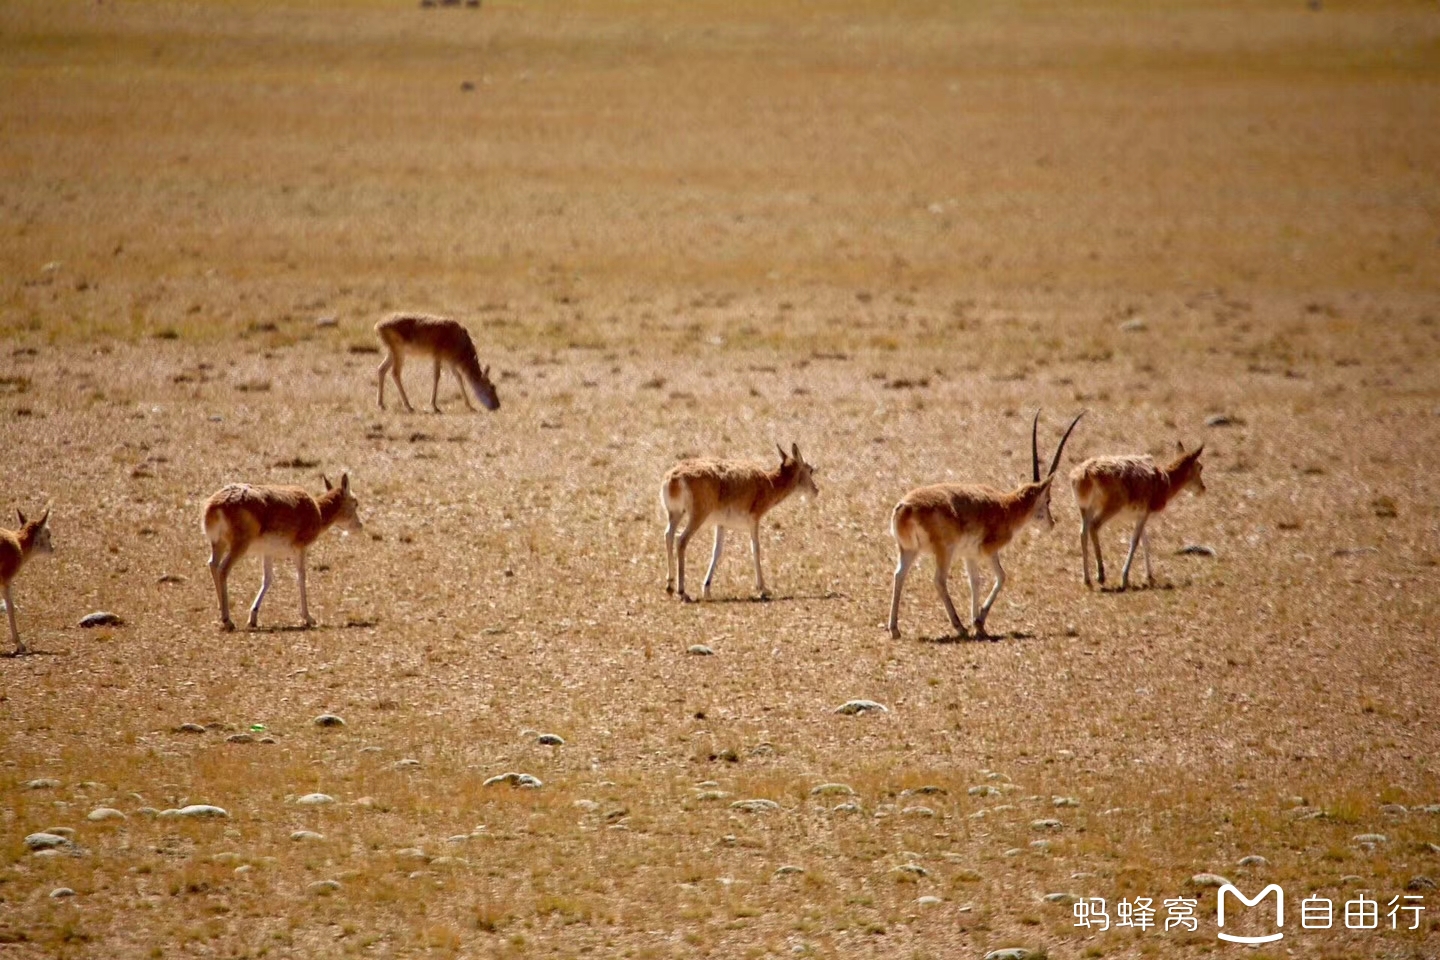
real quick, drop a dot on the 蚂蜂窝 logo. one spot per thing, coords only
(1249, 902)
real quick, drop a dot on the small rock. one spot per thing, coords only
(1066, 801)
(1208, 880)
(1133, 326)
(1394, 810)
(846, 808)
(914, 869)
(851, 707)
(1195, 550)
(406, 763)
(59, 893)
(147, 812)
(929, 901)
(1254, 860)
(46, 841)
(66, 832)
(917, 812)
(984, 790)
(1370, 838)
(411, 853)
(240, 738)
(1039, 844)
(1223, 420)
(327, 322)
(929, 790)
(300, 835)
(1066, 898)
(519, 780)
(755, 806)
(1420, 883)
(589, 806)
(789, 869)
(1009, 953)
(101, 618)
(323, 888)
(200, 811)
(706, 795)
(314, 799)
(328, 720)
(189, 728)
(700, 650)
(1431, 808)
(44, 783)
(104, 813)
(550, 740)
(827, 789)
(1352, 878)
(1046, 825)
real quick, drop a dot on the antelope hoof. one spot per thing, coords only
(669, 588)
(309, 622)
(763, 596)
(227, 625)
(894, 633)
(686, 598)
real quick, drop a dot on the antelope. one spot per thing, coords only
(275, 521)
(444, 342)
(16, 547)
(977, 521)
(735, 495)
(1106, 487)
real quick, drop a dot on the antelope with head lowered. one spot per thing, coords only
(16, 547)
(975, 521)
(445, 342)
(1107, 487)
(732, 494)
(274, 522)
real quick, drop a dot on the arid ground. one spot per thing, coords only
(888, 235)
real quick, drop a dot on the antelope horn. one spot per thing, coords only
(1055, 464)
(1035, 449)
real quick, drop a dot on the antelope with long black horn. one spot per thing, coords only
(972, 520)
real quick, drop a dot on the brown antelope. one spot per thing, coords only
(1107, 487)
(443, 342)
(276, 522)
(16, 547)
(976, 521)
(732, 494)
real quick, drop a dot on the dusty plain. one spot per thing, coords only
(889, 235)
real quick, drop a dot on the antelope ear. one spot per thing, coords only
(45, 516)
(485, 372)
(783, 455)
(19, 513)
(1180, 445)
(1198, 450)
(345, 481)
(795, 451)
(327, 481)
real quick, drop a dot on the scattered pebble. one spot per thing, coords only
(550, 740)
(44, 783)
(323, 888)
(984, 790)
(1431, 808)
(1039, 844)
(1066, 898)
(917, 812)
(1046, 825)
(1066, 801)
(101, 618)
(300, 835)
(411, 853)
(711, 795)
(328, 720)
(1208, 880)
(104, 813)
(240, 738)
(589, 806)
(66, 832)
(46, 841)
(61, 892)
(755, 806)
(1009, 953)
(827, 789)
(1223, 420)
(1195, 550)
(700, 650)
(929, 901)
(789, 869)
(846, 808)
(198, 811)
(1394, 810)
(189, 728)
(929, 790)
(1352, 878)
(524, 780)
(1133, 326)
(406, 762)
(913, 869)
(314, 799)
(851, 707)
(1420, 883)
(1370, 838)
(1254, 860)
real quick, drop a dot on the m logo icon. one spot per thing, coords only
(1279, 912)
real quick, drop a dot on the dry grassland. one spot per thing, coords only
(704, 229)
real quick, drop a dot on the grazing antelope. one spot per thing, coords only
(276, 522)
(734, 495)
(444, 342)
(1106, 487)
(975, 520)
(16, 547)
